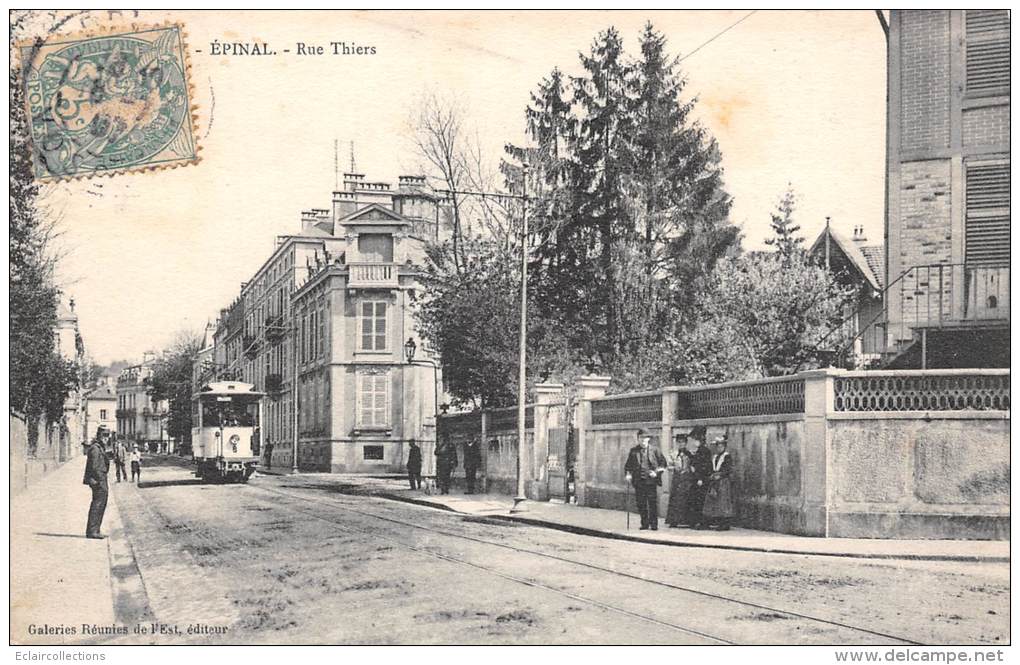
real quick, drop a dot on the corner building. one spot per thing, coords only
(332, 306)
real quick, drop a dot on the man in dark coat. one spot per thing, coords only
(472, 460)
(97, 466)
(414, 465)
(120, 455)
(701, 465)
(644, 468)
(446, 461)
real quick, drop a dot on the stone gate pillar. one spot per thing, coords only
(589, 387)
(546, 394)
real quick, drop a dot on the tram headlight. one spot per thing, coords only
(234, 440)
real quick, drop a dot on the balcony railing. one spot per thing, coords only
(373, 276)
(275, 329)
(251, 346)
(274, 384)
(925, 297)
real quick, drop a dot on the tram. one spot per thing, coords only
(225, 439)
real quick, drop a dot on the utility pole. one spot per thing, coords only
(522, 390)
(294, 390)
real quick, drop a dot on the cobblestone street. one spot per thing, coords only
(314, 559)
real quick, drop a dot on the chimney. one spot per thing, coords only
(411, 181)
(344, 203)
(353, 181)
(859, 236)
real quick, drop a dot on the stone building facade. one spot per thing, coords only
(140, 419)
(948, 165)
(331, 306)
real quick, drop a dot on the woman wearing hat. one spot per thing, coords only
(683, 481)
(719, 509)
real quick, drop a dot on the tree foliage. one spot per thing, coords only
(634, 266)
(40, 378)
(767, 313)
(785, 237)
(472, 317)
(171, 381)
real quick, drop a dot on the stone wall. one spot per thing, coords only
(53, 448)
(919, 476)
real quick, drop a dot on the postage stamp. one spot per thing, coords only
(112, 103)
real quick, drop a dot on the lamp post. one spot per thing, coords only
(410, 347)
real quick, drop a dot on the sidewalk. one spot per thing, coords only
(59, 578)
(613, 524)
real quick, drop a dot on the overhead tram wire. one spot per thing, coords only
(718, 35)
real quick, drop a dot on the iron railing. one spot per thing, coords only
(927, 296)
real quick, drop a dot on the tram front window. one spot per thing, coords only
(228, 414)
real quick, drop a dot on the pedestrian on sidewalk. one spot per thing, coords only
(472, 460)
(120, 457)
(97, 466)
(719, 508)
(446, 461)
(644, 468)
(136, 464)
(680, 488)
(414, 464)
(269, 456)
(701, 471)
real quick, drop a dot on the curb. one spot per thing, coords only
(130, 599)
(614, 535)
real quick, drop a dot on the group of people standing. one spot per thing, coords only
(98, 454)
(446, 462)
(701, 492)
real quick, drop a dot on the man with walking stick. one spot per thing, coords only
(644, 469)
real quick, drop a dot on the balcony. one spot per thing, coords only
(274, 384)
(373, 276)
(276, 330)
(125, 414)
(251, 346)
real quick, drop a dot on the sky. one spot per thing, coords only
(792, 97)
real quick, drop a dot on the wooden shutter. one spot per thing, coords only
(987, 60)
(987, 223)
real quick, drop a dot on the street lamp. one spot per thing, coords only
(410, 347)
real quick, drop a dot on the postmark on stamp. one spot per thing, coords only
(111, 103)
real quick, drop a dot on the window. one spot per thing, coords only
(373, 399)
(376, 247)
(987, 218)
(320, 350)
(372, 452)
(987, 52)
(102, 414)
(373, 326)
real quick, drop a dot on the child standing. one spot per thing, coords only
(136, 464)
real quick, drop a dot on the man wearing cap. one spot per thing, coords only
(644, 468)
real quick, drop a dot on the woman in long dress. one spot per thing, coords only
(719, 503)
(683, 479)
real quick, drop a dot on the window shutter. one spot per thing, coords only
(987, 61)
(987, 223)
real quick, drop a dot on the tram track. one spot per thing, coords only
(715, 597)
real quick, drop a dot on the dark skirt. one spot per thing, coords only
(719, 500)
(679, 492)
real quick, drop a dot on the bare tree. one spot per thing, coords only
(437, 132)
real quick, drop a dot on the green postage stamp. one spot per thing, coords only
(110, 103)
